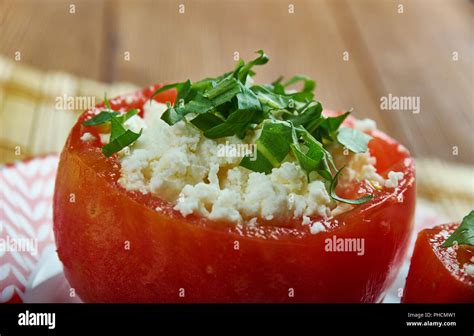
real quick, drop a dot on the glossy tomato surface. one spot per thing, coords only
(437, 273)
(116, 247)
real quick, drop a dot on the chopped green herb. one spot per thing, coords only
(245, 70)
(183, 92)
(206, 121)
(464, 234)
(328, 127)
(100, 118)
(353, 139)
(116, 129)
(107, 103)
(223, 91)
(235, 124)
(171, 116)
(123, 140)
(119, 136)
(273, 146)
(308, 84)
(127, 115)
(309, 153)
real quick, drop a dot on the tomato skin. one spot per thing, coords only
(435, 274)
(116, 248)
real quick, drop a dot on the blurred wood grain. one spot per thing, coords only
(405, 54)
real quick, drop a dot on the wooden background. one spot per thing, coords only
(405, 54)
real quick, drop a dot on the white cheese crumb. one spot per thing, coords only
(104, 138)
(306, 220)
(469, 268)
(86, 137)
(393, 178)
(226, 206)
(365, 125)
(317, 227)
(159, 209)
(361, 167)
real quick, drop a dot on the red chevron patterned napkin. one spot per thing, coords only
(26, 235)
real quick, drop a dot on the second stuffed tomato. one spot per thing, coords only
(121, 245)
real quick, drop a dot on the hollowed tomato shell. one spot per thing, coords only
(116, 247)
(437, 274)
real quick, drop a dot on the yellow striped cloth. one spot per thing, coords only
(30, 121)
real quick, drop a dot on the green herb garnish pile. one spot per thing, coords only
(228, 105)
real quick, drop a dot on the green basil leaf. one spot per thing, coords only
(314, 157)
(354, 140)
(223, 91)
(199, 104)
(101, 118)
(116, 129)
(307, 117)
(120, 142)
(464, 234)
(308, 84)
(171, 116)
(273, 146)
(270, 99)
(329, 126)
(107, 103)
(245, 70)
(234, 124)
(183, 92)
(205, 121)
(123, 118)
(247, 100)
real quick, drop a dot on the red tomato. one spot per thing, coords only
(437, 273)
(116, 248)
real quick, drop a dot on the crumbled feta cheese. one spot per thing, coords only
(393, 178)
(306, 220)
(86, 137)
(316, 228)
(104, 138)
(365, 125)
(181, 166)
(226, 207)
(362, 167)
(469, 268)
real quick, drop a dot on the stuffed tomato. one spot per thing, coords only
(440, 274)
(150, 213)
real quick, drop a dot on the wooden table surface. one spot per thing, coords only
(423, 48)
